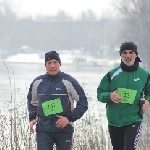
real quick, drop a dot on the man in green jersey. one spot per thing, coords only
(126, 91)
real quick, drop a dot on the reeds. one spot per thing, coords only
(90, 133)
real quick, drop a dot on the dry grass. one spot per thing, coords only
(90, 133)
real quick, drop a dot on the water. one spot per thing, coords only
(15, 80)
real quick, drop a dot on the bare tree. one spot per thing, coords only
(136, 17)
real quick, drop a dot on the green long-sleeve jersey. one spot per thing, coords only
(124, 113)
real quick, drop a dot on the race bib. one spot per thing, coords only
(52, 107)
(128, 95)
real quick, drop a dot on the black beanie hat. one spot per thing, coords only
(52, 55)
(128, 45)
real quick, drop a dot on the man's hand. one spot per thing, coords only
(145, 104)
(115, 97)
(62, 122)
(32, 123)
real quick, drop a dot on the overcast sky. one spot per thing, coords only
(52, 7)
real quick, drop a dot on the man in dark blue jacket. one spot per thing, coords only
(51, 105)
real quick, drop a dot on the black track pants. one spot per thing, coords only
(126, 137)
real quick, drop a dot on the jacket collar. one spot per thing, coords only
(126, 68)
(55, 76)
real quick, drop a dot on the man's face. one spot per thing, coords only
(52, 67)
(128, 57)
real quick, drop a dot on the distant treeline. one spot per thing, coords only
(58, 33)
(98, 36)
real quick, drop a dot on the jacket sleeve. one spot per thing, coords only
(103, 90)
(147, 89)
(32, 109)
(77, 93)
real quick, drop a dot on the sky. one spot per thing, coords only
(51, 7)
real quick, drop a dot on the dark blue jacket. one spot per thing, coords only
(46, 88)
